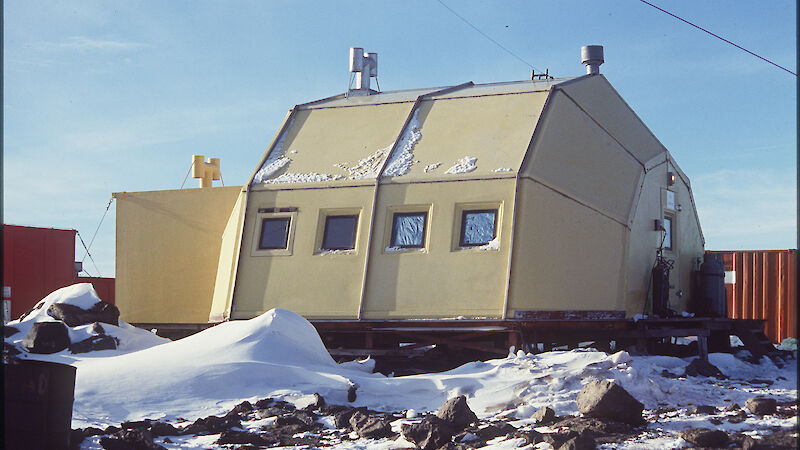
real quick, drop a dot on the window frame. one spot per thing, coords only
(285, 245)
(463, 227)
(669, 231)
(458, 225)
(274, 213)
(392, 236)
(322, 221)
(328, 217)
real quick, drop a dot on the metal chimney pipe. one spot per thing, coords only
(592, 57)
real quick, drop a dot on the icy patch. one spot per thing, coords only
(639, 317)
(503, 169)
(367, 167)
(272, 164)
(403, 249)
(494, 244)
(433, 166)
(268, 170)
(788, 344)
(312, 177)
(464, 165)
(321, 251)
(403, 157)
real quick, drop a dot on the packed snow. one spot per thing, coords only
(464, 165)
(280, 355)
(402, 158)
(276, 159)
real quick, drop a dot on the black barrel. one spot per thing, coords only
(38, 404)
(712, 302)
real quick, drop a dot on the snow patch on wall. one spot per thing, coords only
(403, 249)
(366, 167)
(503, 169)
(276, 159)
(403, 157)
(311, 177)
(494, 244)
(433, 166)
(464, 165)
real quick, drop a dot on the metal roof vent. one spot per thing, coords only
(366, 65)
(592, 57)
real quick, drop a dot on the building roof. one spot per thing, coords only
(431, 134)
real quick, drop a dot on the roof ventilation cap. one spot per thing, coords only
(366, 65)
(592, 57)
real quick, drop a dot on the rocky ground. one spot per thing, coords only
(610, 419)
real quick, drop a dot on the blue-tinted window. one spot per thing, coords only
(274, 233)
(340, 233)
(478, 227)
(668, 233)
(408, 230)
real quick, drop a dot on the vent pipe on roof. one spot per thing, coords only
(592, 57)
(366, 65)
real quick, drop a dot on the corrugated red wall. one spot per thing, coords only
(37, 261)
(765, 287)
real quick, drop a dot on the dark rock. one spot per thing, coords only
(495, 429)
(135, 424)
(739, 417)
(164, 429)
(606, 399)
(318, 402)
(296, 418)
(703, 409)
(342, 418)
(532, 437)
(93, 343)
(715, 421)
(243, 407)
(431, 433)
(703, 437)
(137, 438)
(698, 367)
(286, 406)
(781, 440)
(269, 412)
(732, 407)
(46, 337)
(211, 425)
(667, 374)
(330, 410)
(556, 439)
(761, 405)
(351, 393)
(98, 329)
(582, 441)
(760, 381)
(369, 427)
(544, 415)
(264, 402)
(593, 425)
(74, 316)
(9, 331)
(111, 429)
(241, 437)
(456, 412)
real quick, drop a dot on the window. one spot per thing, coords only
(478, 227)
(408, 229)
(667, 233)
(340, 232)
(274, 233)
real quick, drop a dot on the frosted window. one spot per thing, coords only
(670, 200)
(668, 233)
(408, 230)
(274, 233)
(478, 227)
(340, 233)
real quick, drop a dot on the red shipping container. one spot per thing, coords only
(762, 284)
(36, 262)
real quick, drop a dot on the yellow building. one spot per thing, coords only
(541, 198)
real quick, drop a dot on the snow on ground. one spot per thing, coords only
(280, 355)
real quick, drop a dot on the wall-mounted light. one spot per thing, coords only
(659, 225)
(670, 178)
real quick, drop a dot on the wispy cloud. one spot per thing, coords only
(87, 44)
(747, 208)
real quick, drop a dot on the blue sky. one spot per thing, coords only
(110, 96)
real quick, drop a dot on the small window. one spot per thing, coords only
(408, 230)
(340, 232)
(274, 233)
(478, 227)
(667, 233)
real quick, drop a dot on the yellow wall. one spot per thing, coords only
(574, 155)
(228, 262)
(168, 246)
(442, 280)
(566, 256)
(307, 281)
